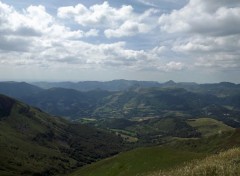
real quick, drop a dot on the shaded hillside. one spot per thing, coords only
(153, 102)
(67, 102)
(34, 143)
(18, 89)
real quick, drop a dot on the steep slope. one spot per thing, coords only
(138, 162)
(34, 143)
(149, 160)
(18, 89)
(225, 163)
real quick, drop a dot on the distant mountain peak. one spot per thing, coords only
(170, 82)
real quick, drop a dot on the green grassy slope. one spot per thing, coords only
(208, 126)
(211, 144)
(142, 161)
(34, 143)
(224, 164)
(138, 161)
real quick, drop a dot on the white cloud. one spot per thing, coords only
(98, 14)
(115, 22)
(203, 17)
(174, 66)
(128, 28)
(208, 32)
(36, 38)
(92, 33)
(34, 21)
(203, 34)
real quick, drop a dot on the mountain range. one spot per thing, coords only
(165, 124)
(221, 101)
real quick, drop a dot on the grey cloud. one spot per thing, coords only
(14, 44)
(28, 32)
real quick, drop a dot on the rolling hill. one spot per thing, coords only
(208, 126)
(18, 89)
(67, 102)
(138, 162)
(168, 100)
(171, 158)
(35, 143)
(134, 103)
(225, 163)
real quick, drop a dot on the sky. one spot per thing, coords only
(154, 40)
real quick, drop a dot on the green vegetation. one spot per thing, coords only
(143, 161)
(34, 143)
(147, 130)
(208, 126)
(135, 102)
(224, 164)
(211, 144)
(138, 162)
(137, 118)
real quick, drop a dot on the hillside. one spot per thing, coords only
(18, 89)
(208, 127)
(168, 100)
(225, 163)
(147, 131)
(158, 102)
(138, 161)
(149, 102)
(149, 160)
(35, 143)
(67, 102)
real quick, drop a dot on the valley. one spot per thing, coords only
(132, 129)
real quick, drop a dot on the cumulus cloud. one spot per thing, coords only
(128, 28)
(204, 17)
(35, 37)
(34, 21)
(116, 22)
(98, 14)
(202, 34)
(174, 66)
(208, 32)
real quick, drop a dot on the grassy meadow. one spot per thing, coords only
(224, 164)
(137, 162)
